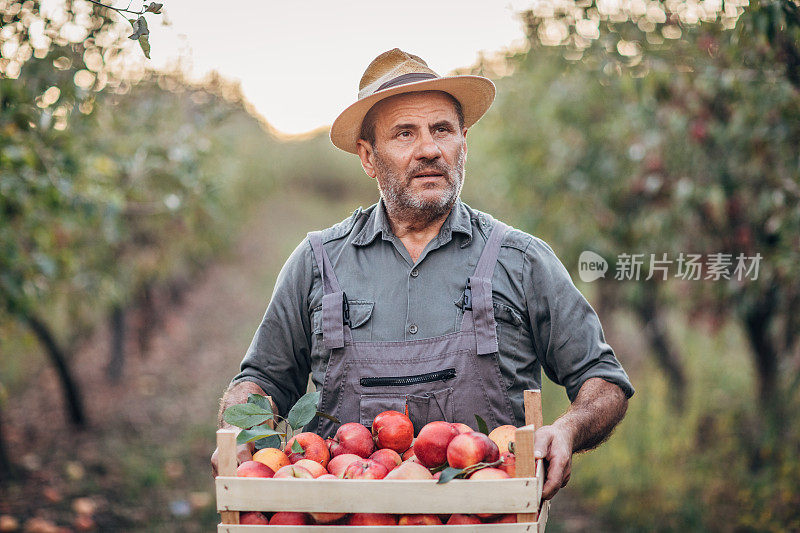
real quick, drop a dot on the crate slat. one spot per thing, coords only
(360, 496)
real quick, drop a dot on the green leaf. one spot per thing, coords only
(329, 417)
(273, 441)
(144, 42)
(297, 447)
(482, 427)
(246, 415)
(261, 401)
(448, 474)
(258, 432)
(304, 410)
(139, 28)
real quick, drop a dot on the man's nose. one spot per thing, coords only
(427, 148)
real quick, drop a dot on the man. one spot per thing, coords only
(422, 304)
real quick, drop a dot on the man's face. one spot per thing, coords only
(418, 154)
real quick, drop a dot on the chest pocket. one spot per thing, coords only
(509, 338)
(510, 327)
(360, 324)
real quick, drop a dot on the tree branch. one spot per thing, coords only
(117, 9)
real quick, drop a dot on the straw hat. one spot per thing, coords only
(395, 72)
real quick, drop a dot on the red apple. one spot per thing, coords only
(352, 438)
(408, 453)
(462, 428)
(289, 518)
(502, 436)
(471, 448)
(326, 518)
(314, 448)
(388, 458)
(393, 430)
(292, 472)
(327, 476)
(365, 469)
(463, 519)
(371, 519)
(419, 520)
(254, 469)
(410, 470)
(253, 518)
(509, 464)
(489, 473)
(339, 463)
(314, 467)
(431, 444)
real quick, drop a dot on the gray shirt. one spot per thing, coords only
(543, 321)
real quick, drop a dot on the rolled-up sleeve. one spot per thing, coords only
(278, 359)
(567, 334)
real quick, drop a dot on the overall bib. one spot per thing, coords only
(452, 377)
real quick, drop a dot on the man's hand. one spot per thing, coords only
(598, 407)
(234, 395)
(244, 452)
(554, 445)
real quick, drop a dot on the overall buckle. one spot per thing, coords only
(468, 297)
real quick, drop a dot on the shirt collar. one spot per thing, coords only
(458, 221)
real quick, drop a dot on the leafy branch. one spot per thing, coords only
(141, 32)
(253, 417)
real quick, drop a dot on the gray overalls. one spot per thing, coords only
(452, 377)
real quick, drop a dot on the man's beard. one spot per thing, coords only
(402, 204)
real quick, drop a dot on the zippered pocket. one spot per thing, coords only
(401, 381)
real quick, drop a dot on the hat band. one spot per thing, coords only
(406, 78)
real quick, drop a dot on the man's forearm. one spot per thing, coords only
(597, 409)
(238, 394)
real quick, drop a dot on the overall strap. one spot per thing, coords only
(481, 288)
(334, 300)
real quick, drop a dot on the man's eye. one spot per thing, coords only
(404, 134)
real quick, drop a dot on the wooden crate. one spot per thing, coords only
(521, 495)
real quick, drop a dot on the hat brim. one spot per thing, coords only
(475, 93)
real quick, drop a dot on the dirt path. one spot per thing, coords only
(143, 466)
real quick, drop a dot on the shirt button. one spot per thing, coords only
(414, 273)
(412, 329)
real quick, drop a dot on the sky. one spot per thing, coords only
(299, 63)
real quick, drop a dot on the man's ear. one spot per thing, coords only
(366, 153)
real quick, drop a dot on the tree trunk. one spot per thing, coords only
(70, 388)
(655, 331)
(148, 317)
(7, 471)
(757, 321)
(116, 360)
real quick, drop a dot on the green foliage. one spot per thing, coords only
(482, 427)
(251, 416)
(304, 410)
